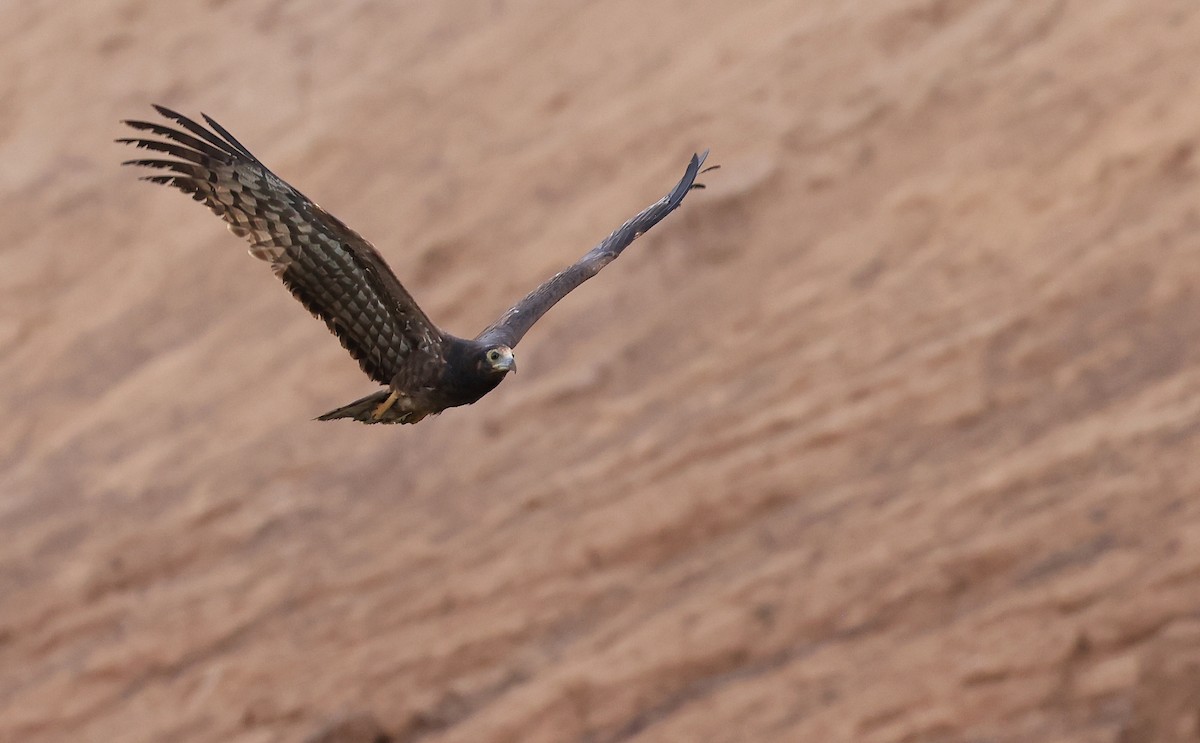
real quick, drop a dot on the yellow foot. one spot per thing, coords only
(386, 405)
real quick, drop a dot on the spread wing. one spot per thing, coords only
(334, 272)
(514, 323)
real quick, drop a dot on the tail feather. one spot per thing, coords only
(363, 410)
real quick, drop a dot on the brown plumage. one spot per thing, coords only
(343, 280)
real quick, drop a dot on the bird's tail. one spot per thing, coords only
(363, 410)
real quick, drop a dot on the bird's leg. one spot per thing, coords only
(386, 405)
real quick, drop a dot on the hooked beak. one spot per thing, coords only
(506, 363)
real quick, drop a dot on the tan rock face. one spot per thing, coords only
(889, 435)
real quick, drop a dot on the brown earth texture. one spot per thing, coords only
(891, 435)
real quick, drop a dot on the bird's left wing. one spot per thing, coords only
(334, 272)
(514, 323)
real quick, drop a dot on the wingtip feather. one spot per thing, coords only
(168, 113)
(695, 169)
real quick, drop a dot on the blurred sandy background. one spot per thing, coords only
(890, 435)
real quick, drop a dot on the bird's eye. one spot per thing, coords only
(493, 355)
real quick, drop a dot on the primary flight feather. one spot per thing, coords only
(344, 281)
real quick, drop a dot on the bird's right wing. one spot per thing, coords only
(514, 323)
(334, 272)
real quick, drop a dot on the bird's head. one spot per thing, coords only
(498, 360)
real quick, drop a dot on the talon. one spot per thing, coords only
(385, 406)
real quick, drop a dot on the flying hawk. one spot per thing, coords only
(343, 280)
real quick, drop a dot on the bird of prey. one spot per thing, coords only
(341, 278)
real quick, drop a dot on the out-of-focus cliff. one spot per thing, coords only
(890, 435)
